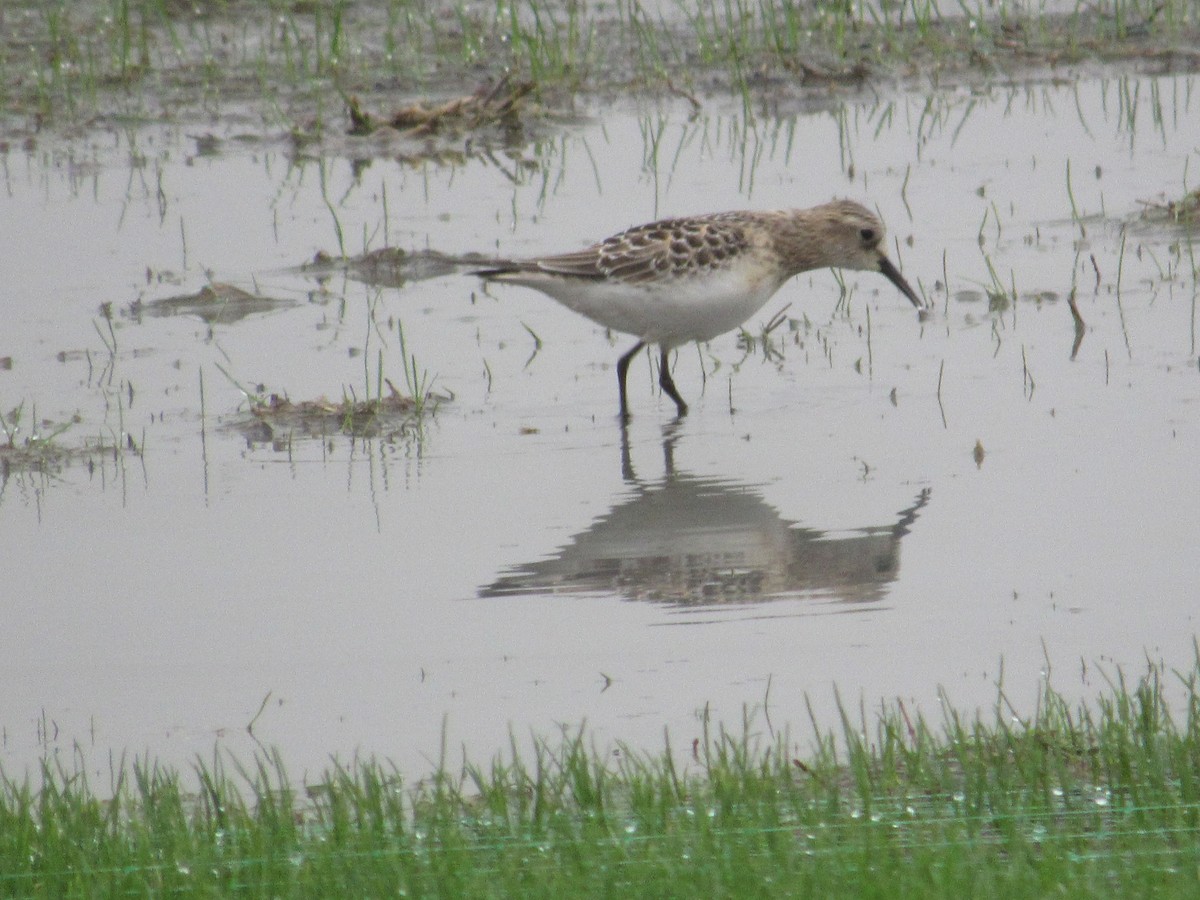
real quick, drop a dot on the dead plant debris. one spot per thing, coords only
(1184, 212)
(44, 453)
(274, 416)
(495, 104)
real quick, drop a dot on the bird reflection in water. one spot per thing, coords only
(689, 542)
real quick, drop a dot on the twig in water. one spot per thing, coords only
(1074, 209)
(870, 355)
(776, 320)
(946, 280)
(767, 708)
(261, 707)
(1080, 327)
(1120, 306)
(690, 98)
(537, 344)
(941, 370)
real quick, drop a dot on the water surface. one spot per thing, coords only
(884, 504)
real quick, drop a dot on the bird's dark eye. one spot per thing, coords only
(867, 235)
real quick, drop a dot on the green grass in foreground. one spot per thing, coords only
(1093, 800)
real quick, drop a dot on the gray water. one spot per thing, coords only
(821, 519)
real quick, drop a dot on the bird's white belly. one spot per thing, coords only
(673, 311)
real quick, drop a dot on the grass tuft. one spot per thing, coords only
(1089, 799)
(30, 444)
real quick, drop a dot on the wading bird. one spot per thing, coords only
(691, 279)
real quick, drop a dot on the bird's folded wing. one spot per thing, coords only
(626, 263)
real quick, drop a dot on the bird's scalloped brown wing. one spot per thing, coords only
(651, 251)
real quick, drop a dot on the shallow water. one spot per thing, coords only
(823, 517)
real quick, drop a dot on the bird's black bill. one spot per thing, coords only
(893, 275)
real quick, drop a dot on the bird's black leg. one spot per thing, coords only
(664, 380)
(622, 371)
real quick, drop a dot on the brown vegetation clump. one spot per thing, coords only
(488, 105)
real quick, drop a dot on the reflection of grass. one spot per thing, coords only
(62, 57)
(27, 444)
(1097, 801)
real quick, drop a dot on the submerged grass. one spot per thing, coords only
(1099, 800)
(32, 444)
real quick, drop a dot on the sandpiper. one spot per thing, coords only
(691, 279)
